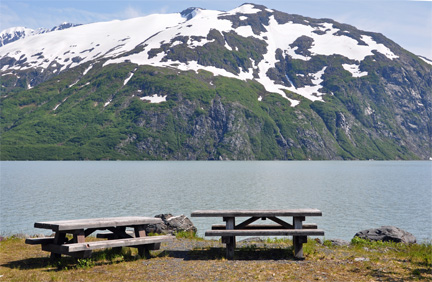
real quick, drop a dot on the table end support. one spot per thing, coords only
(230, 247)
(298, 242)
(230, 241)
(144, 252)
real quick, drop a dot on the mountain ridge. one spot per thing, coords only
(13, 34)
(365, 96)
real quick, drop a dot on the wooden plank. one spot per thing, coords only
(256, 213)
(128, 242)
(266, 232)
(40, 240)
(65, 225)
(57, 251)
(264, 226)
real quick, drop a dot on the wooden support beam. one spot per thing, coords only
(79, 236)
(281, 222)
(40, 240)
(246, 222)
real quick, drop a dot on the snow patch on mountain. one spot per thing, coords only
(354, 70)
(87, 69)
(129, 77)
(312, 92)
(156, 99)
(244, 9)
(426, 60)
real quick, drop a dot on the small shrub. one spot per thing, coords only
(186, 235)
(327, 243)
(85, 263)
(278, 241)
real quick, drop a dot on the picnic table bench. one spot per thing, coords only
(230, 230)
(81, 228)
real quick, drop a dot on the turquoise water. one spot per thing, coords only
(352, 195)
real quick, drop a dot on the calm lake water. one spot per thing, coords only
(353, 195)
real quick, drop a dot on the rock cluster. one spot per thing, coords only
(171, 224)
(387, 233)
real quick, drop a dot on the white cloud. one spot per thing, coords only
(8, 17)
(131, 12)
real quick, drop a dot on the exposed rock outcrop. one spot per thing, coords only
(171, 224)
(387, 233)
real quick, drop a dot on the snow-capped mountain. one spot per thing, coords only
(15, 33)
(298, 58)
(194, 28)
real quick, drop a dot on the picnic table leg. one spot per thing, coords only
(79, 237)
(230, 241)
(143, 251)
(59, 239)
(298, 240)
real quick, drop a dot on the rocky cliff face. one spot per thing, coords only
(251, 83)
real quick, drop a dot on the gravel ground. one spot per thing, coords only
(204, 260)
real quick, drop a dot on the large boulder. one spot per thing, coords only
(171, 224)
(387, 233)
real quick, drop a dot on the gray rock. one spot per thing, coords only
(387, 233)
(171, 224)
(339, 242)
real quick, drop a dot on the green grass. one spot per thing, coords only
(187, 235)
(415, 253)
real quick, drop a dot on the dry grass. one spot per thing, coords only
(202, 260)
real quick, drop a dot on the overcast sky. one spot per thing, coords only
(408, 23)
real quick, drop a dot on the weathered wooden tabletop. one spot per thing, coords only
(76, 224)
(256, 213)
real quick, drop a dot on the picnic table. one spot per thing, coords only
(230, 229)
(118, 236)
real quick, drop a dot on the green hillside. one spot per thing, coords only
(204, 117)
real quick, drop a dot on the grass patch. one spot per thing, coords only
(420, 254)
(187, 235)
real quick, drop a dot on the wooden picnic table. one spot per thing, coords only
(230, 229)
(118, 236)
